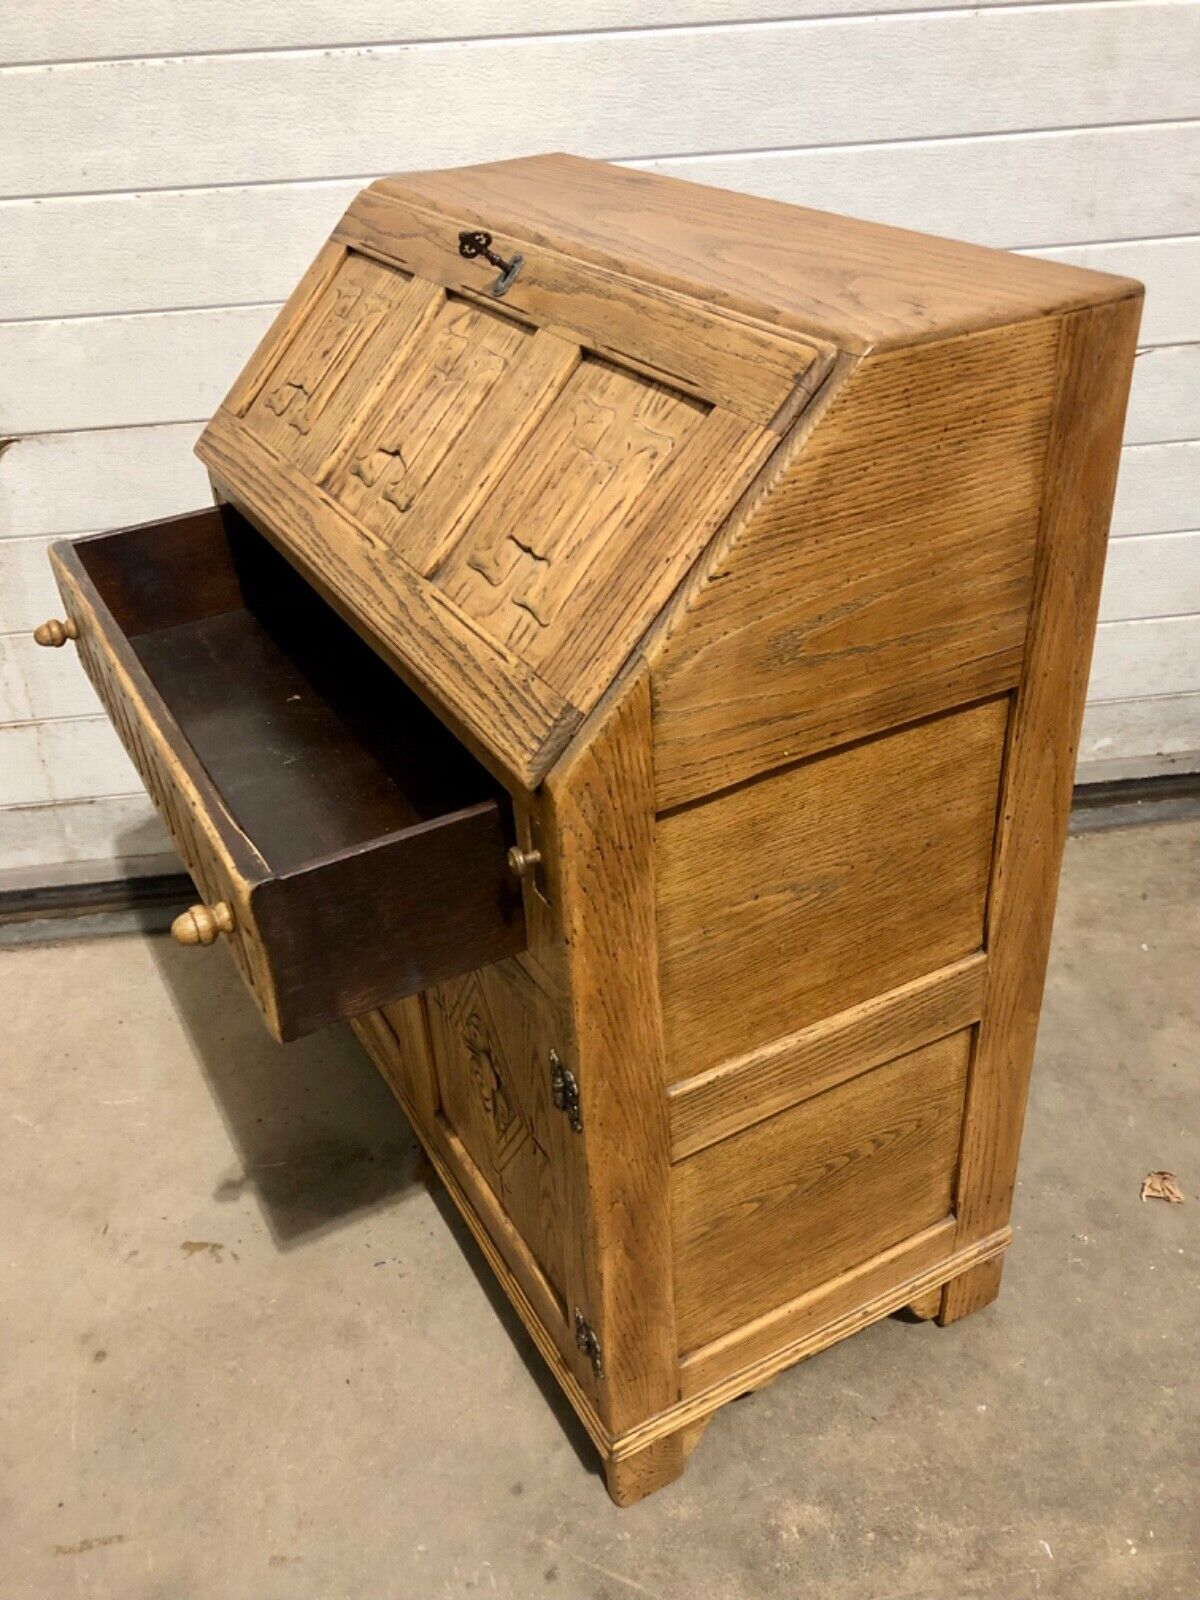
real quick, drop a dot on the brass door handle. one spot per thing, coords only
(201, 924)
(55, 633)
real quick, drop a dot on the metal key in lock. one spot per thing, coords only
(474, 242)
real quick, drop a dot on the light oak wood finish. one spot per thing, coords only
(1095, 358)
(601, 821)
(745, 1090)
(54, 634)
(202, 924)
(645, 704)
(761, 1217)
(819, 887)
(858, 284)
(492, 1034)
(882, 570)
(731, 360)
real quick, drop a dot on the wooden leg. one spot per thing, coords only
(970, 1291)
(633, 1477)
(927, 1305)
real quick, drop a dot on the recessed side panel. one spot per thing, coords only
(763, 1217)
(824, 885)
(883, 572)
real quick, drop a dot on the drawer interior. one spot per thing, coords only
(359, 848)
(313, 743)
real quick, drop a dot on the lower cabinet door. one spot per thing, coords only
(494, 1042)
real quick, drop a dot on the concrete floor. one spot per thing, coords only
(247, 1355)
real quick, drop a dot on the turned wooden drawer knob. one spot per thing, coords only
(202, 924)
(55, 633)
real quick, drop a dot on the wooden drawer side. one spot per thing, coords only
(189, 811)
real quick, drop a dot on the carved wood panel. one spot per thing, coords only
(598, 450)
(492, 1034)
(212, 881)
(354, 341)
(421, 415)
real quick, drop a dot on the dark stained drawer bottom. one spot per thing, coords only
(357, 848)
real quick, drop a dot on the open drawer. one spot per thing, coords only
(349, 850)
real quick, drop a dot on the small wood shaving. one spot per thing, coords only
(1162, 1186)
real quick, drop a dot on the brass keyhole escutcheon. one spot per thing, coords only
(202, 924)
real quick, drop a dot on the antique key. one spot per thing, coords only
(474, 242)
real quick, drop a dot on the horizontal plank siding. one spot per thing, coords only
(1154, 734)
(70, 760)
(1164, 404)
(114, 833)
(147, 27)
(28, 592)
(1090, 182)
(238, 117)
(1156, 575)
(1164, 652)
(76, 482)
(126, 371)
(168, 172)
(1170, 270)
(1158, 489)
(33, 687)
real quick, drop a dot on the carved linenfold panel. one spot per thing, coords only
(419, 417)
(356, 334)
(492, 1033)
(602, 443)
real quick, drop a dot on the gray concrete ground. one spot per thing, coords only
(247, 1355)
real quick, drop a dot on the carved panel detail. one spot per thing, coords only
(420, 416)
(492, 1033)
(601, 445)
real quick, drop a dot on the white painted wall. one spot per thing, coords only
(168, 168)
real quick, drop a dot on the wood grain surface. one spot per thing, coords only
(774, 1211)
(1095, 356)
(818, 888)
(881, 570)
(601, 824)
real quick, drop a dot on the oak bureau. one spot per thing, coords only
(633, 669)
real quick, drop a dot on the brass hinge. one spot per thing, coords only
(585, 1338)
(564, 1090)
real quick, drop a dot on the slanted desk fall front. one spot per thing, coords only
(633, 670)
